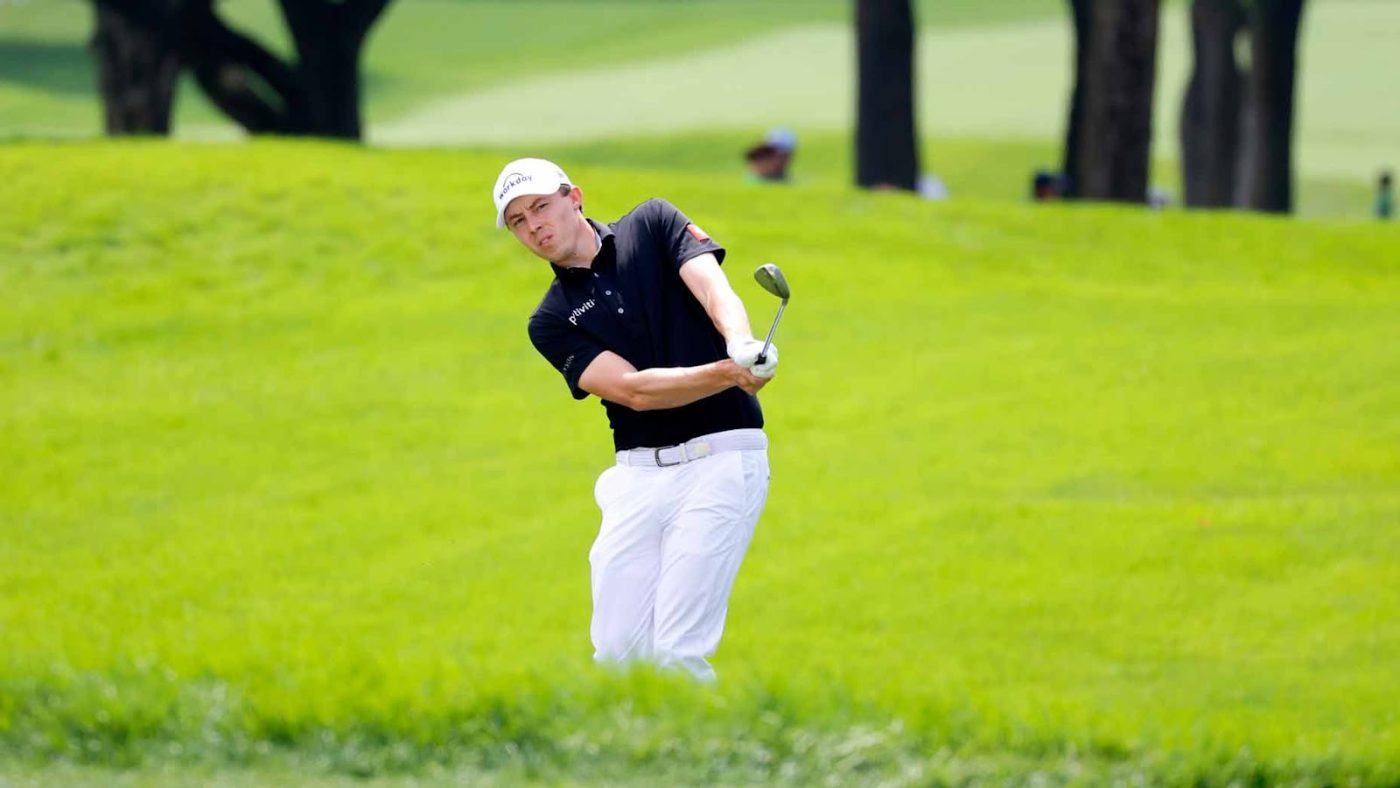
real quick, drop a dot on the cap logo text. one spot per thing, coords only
(513, 180)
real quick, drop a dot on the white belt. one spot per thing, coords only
(694, 449)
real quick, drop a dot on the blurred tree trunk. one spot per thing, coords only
(1210, 113)
(137, 71)
(329, 38)
(317, 95)
(887, 152)
(1265, 178)
(1115, 136)
(1079, 13)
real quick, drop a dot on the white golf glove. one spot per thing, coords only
(745, 353)
(769, 365)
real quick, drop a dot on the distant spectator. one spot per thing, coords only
(769, 160)
(1048, 186)
(932, 187)
(1385, 196)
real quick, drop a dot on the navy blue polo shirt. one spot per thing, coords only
(632, 301)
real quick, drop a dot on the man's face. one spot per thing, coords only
(547, 224)
(770, 164)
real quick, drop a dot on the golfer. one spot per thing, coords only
(640, 315)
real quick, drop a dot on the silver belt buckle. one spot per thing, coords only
(657, 456)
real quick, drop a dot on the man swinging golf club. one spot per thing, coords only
(640, 315)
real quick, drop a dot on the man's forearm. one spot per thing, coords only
(727, 312)
(711, 288)
(660, 388)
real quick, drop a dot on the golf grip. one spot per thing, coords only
(763, 354)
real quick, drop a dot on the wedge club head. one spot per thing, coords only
(771, 278)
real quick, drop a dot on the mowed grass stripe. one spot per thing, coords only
(1058, 488)
(1003, 81)
(983, 169)
(422, 50)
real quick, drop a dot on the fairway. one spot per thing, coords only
(425, 50)
(451, 73)
(1089, 493)
(997, 81)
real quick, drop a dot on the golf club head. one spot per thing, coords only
(770, 278)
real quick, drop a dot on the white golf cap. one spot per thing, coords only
(526, 177)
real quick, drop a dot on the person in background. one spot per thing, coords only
(1385, 196)
(931, 187)
(1048, 186)
(769, 160)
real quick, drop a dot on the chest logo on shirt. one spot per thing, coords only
(578, 311)
(696, 233)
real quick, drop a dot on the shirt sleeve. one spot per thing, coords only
(684, 239)
(569, 350)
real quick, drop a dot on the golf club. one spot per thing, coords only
(770, 278)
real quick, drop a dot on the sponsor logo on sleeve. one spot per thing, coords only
(697, 233)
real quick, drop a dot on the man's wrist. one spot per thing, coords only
(729, 371)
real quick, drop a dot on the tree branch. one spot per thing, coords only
(228, 88)
(307, 18)
(364, 13)
(206, 34)
(231, 68)
(151, 14)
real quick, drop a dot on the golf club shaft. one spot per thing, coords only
(763, 356)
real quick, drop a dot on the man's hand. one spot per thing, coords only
(744, 378)
(744, 351)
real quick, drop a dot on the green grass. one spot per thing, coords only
(1006, 81)
(1060, 493)
(460, 73)
(993, 170)
(991, 104)
(426, 49)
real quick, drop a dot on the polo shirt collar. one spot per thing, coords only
(606, 240)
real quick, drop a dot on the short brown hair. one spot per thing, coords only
(565, 189)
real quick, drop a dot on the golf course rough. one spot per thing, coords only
(1059, 493)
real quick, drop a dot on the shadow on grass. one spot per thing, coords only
(48, 66)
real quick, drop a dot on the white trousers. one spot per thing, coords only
(667, 553)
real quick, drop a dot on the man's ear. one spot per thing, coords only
(576, 197)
